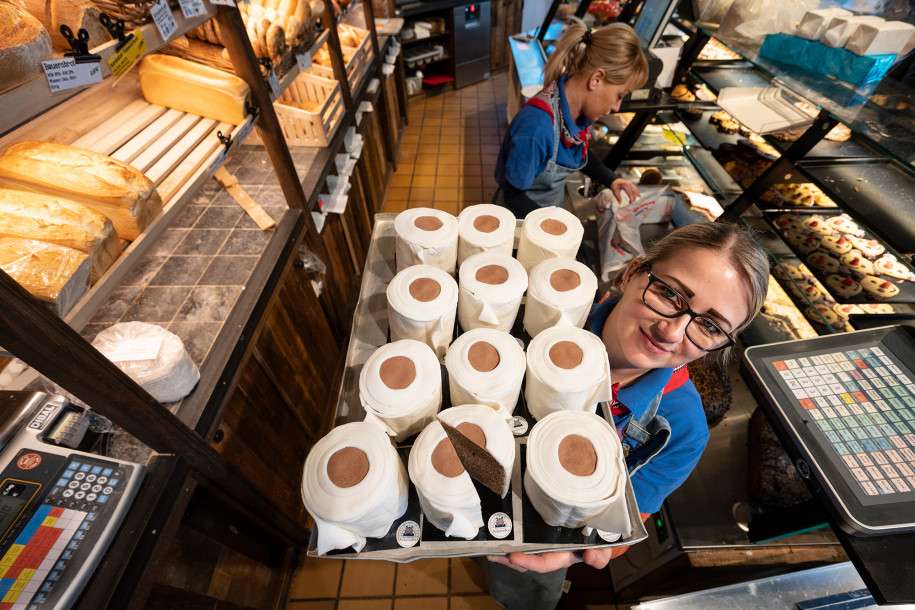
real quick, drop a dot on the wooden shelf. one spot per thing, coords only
(33, 97)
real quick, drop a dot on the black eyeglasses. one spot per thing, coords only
(701, 330)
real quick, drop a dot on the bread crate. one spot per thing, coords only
(358, 59)
(310, 127)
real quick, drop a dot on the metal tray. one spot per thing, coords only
(734, 75)
(879, 192)
(708, 134)
(906, 288)
(853, 148)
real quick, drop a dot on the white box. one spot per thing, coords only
(840, 29)
(896, 37)
(763, 109)
(813, 24)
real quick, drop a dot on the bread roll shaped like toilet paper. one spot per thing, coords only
(485, 228)
(426, 236)
(422, 305)
(549, 232)
(486, 367)
(559, 292)
(576, 475)
(491, 286)
(354, 485)
(400, 387)
(567, 370)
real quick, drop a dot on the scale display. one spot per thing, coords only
(849, 402)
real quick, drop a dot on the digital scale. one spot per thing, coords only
(845, 407)
(59, 507)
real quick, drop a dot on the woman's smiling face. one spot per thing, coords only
(639, 338)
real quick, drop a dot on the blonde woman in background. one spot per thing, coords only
(586, 77)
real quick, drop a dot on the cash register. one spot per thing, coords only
(59, 506)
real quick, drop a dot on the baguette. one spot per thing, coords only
(195, 88)
(276, 43)
(108, 186)
(59, 221)
(55, 274)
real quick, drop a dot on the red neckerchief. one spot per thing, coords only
(543, 101)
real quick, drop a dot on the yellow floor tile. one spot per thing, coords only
(452, 180)
(365, 604)
(423, 181)
(452, 207)
(421, 603)
(316, 578)
(467, 576)
(421, 194)
(367, 578)
(397, 193)
(446, 194)
(401, 180)
(325, 605)
(394, 206)
(424, 169)
(423, 577)
(474, 602)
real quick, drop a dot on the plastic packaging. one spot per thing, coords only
(55, 274)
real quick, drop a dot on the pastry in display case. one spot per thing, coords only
(24, 43)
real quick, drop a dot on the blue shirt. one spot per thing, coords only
(681, 407)
(528, 145)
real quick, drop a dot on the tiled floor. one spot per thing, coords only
(448, 151)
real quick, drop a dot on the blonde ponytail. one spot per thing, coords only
(614, 48)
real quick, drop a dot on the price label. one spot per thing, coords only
(192, 8)
(274, 83)
(223, 2)
(303, 60)
(163, 18)
(66, 73)
(125, 59)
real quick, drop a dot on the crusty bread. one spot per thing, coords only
(191, 87)
(24, 43)
(52, 273)
(108, 186)
(78, 14)
(60, 221)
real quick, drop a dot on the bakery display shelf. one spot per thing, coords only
(743, 74)
(32, 98)
(708, 134)
(718, 180)
(855, 147)
(806, 305)
(291, 64)
(878, 192)
(906, 287)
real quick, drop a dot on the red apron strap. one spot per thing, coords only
(538, 102)
(680, 376)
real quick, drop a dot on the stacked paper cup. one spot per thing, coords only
(485, 228)
(400, 387)
(354, 485)
(465, 441)
(491, 288)
(549, 232)
(567, 370)
(426, 237)
(486, 367)
(576, 476)
(422, 303)
(560, 293)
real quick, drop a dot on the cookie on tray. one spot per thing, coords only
(842, 286)
(681, 93)
(824, 314)
(788, 222)
(807, 290)
(809, 244)
(823, 261)
(837, 244)
(878, 287)
(890, 265)
(856, 262)
(787, 272)
(844, 310)
(871, 248)
(817, 224)
(844, 224)
(877, 308)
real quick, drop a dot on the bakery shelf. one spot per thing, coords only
(854, 148)
(707, 134)
(31, 98)
(717, 179)
(879, 192)
(742, 74)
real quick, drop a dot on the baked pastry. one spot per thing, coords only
(844, 310)
(728, 126)
(823, 261)
(108, 186)
(839, 133)
(787, 272)
(788, 222)
(55, 274)
(876, 308)
(718, 116)
(824, 314)
(681, 93)
(651, 175)
(844, 224)
(24, 43)
(871, 248)
(807, 290)
(796, 237)
(879, 287)
(837, 244)
(809, 244)
(842, 286)
(889, 265)
(855, 261)
(817, 224)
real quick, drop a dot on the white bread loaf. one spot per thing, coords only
(55, 274)
(108, 186)
(59, 221)
(191, 87)
(24, 43)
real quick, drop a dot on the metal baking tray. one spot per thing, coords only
(879, 192)
(803, 304)
(853, 148)
(906, 288)
(734, 75)
(708, 134)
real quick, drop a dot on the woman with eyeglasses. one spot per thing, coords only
(685, 299)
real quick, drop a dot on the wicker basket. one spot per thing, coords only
(310, 128)
(356, 67)
(133, 14)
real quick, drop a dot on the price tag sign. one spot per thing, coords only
(66, 73)
(192, 8)
(125, 59)
(223, 2)
(303, 60)
(163, 18)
